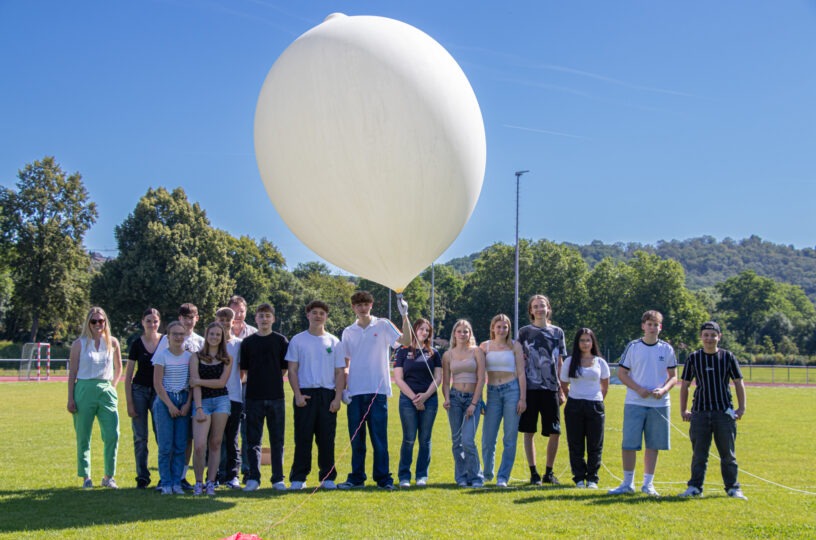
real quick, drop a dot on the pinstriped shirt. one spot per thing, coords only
(713, 373)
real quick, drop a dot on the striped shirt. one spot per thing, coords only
(713, 373)
(176, 369)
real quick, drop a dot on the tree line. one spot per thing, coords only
(168, 254)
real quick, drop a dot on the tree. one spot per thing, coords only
(168, 254)
(335, 290)
(557, 271)
(44, 223)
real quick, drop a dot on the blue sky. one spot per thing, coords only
(639, 120)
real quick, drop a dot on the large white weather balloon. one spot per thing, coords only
(371, 145)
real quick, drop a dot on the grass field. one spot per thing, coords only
(41, 496)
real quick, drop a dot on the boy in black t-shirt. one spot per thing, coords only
(263, 363)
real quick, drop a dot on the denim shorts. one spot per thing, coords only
(220, 404)
(651, 423)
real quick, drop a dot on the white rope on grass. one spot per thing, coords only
(743, 471)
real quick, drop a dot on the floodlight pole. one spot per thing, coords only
(516, 296)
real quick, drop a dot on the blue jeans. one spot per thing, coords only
(171, 434)
(377, 422)
(502, 401)
(413, 422)
(463, 438)
(143, 397)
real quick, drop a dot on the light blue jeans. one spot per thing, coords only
(463, 438)
(171, 434)
(502, 400)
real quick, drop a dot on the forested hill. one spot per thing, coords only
(706, 260)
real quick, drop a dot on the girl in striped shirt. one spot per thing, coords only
(171, 409)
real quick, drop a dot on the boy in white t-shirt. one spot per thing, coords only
(317, 375)
(368, 379)
(648, 368)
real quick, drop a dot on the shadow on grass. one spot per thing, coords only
(68, 508)
(596, 497)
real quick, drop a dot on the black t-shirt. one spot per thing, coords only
(417, 367)
(264, 358)
(144, 365)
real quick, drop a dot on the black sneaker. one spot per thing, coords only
(535, 479)
(549, 478)
(185, 485)
(141, 483)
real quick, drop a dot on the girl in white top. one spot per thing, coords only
(463, 377)
(94, 369)
(506, 397)
(585, 380)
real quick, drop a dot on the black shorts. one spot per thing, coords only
(545, 404)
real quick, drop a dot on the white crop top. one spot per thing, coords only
(504, 361)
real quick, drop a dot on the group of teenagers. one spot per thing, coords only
(203, 391)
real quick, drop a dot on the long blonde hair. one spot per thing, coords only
(86, 327)
(463, 322)
(221, 355)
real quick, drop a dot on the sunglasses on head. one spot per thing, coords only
(97, 321)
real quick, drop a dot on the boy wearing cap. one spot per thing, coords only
(712, 414)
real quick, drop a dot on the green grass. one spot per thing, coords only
(41, 496)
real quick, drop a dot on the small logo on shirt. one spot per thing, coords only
(661, 358)
(329, 350)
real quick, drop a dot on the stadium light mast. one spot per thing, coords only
(516, 296)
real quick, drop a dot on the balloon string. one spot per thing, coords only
(334, 465)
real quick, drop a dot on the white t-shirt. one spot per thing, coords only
(587, 384)
(367, 351)
(176, 369)
(234, 381)
(648, 365)
(317, 357)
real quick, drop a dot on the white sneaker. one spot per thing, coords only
(280, 486)
(166, 490)
(296, 485)
(329, 484)
(580, 484)
(623, 489)
(592, 485)
(650, 490)
(252, 485)
(736, 493)
(198, 489)
(691, 491)
(178, 490)
(233, 484)
(405, 483)
(422, 482)
(501, 483)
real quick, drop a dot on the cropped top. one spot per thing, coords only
(500, 360)
(211, 372)
(463, 371)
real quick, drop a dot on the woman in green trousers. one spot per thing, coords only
(94, 368)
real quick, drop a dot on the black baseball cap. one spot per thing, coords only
(711, 325)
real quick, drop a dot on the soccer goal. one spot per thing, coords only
(33, 355)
